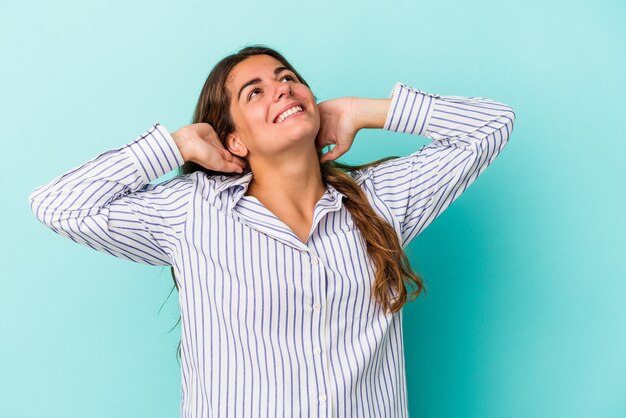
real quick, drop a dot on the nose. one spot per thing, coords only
(283, 89)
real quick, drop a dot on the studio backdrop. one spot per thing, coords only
(525, 310)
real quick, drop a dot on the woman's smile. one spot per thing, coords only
(294, 113)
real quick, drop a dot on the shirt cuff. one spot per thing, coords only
(410, 110)
(154, 153)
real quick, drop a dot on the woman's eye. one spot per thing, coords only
(292, 79)
(250, 95)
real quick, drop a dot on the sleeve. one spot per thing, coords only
(108, 204)
(467, 134)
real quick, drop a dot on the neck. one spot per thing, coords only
(293, 178)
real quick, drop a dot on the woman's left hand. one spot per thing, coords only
(338, 126)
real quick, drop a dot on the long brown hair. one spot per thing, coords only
(392, 266)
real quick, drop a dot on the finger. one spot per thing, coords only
(320, 146)
(227, 155)
(325, 155)
(242, 162)
(332, 154)
(233, 168)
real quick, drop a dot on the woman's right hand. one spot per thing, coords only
(199, 143)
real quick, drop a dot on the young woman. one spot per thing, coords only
(289, 265)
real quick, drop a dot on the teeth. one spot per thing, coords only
(288, 113)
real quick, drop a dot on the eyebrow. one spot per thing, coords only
(257, 80)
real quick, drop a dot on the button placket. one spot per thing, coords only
(308, 269)
(316, 307)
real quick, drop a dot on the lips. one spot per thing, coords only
(287, 107)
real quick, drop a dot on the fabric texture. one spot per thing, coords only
(272, 326)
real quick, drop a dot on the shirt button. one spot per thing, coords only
(314, 260)
(322, 398)
(317, 350)
(316, 306)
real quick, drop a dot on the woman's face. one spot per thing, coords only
(261, 89)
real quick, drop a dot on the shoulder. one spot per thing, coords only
(383, 167)
(200, 178)
(217, 189)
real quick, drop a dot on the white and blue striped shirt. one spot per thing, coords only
(273, 326)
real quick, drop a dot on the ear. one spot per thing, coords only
(235, 145)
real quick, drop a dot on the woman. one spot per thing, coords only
(290, 266)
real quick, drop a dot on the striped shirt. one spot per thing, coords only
(273, 326)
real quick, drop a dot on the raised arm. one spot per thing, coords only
(107, 204)
(467, 134)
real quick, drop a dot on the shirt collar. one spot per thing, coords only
(239, 185)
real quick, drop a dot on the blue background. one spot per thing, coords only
(525, 314)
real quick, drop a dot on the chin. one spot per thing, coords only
(301, 128)
(308, 136)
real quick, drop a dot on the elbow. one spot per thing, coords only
(507, 118)
(32, 202)
(509, 123)
(37, 207)
(510, 114)
(34, 209)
